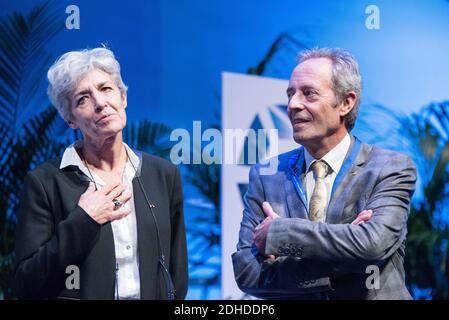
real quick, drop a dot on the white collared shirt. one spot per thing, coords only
(334, 160)
(124, 230)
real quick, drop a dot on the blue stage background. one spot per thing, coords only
(172, 55)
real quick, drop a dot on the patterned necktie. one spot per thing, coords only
(318, 200)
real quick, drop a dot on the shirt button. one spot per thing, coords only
(128, 247)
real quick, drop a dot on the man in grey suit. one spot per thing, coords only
(331, 223)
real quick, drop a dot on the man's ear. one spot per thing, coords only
(348, 103)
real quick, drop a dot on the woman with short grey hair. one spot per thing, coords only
(103, 221)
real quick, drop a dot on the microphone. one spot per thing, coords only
(166, 274)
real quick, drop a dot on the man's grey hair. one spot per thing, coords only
(345, 76)
(65, 74)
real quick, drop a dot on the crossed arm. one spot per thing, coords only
(324, 247)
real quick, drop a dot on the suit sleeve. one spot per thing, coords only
(45, 249)
(285, 277)
(348, 245)
(178, 261)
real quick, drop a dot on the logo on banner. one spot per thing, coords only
(278, 114)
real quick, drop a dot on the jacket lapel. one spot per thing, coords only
(98, 273)
(342, 192)
(297, 208)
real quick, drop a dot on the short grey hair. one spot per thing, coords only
(345, 76)
(68, 70)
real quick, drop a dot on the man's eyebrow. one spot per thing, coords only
(302, 87)
(307, 86)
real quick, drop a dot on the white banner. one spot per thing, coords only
(249, 102)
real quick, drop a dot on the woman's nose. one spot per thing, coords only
(100, 103)
(99, 107)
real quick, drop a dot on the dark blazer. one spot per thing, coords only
(53, 232)
(329, 260)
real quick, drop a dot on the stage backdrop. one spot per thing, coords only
(249, 102)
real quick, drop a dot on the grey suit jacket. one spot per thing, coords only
(329, 260)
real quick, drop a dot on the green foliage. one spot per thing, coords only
(20, 154)
(148, 136)
(286, 43)
(24, 142)
(425, 137)
(427, 259)
(23, 60)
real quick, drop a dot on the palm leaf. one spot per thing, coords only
(286, 43)
(149, 136)
(425, 137)
(23, 155)
(34, 145)
(23, 60)
(427, 249)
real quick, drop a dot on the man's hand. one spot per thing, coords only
(261, 231)
(363, 217)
